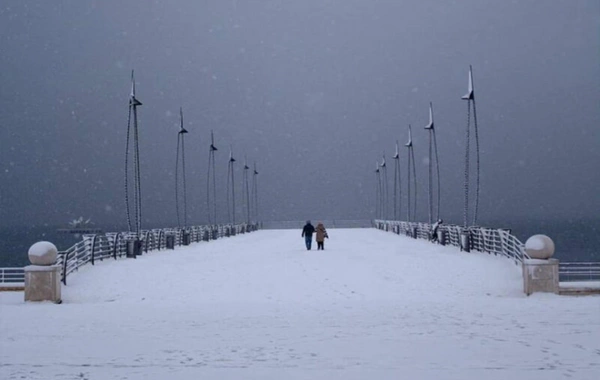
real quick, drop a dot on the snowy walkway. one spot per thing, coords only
(372, 306)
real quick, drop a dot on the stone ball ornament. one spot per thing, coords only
(539, 247)
(43, 253)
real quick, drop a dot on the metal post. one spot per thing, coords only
(137, 194)
(181, 142)
(247, 192)
(378, 192)
(470, 98)
(170, 241)
(230, 180)
(384, 190)
(465, 240)
(255, 192)
(411, 170)
(397, 185)
(212, 218)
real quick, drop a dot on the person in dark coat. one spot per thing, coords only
(307, 233)
(434, 230)
(321, 235)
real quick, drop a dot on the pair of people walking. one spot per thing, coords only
(309, 230)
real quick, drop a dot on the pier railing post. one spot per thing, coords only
(465, 240)
(540, 271)
(42, 277)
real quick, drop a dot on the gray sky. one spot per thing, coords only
(313, 90)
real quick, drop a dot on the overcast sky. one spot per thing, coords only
(314, 91)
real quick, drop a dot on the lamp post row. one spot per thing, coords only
(433, 167)
(133, 197)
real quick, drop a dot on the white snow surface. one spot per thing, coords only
(580, 284)
(373, 305)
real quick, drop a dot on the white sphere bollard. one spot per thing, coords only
(43, 253)
(539, 247)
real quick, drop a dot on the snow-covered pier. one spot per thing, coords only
(260, 306)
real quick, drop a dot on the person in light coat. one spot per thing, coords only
(321, 236)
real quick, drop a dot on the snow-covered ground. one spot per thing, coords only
(373, 305)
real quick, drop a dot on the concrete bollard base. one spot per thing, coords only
(540, 276)
(42, 283)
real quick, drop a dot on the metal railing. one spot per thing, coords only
(13, 275)
(115, 245)
(579, 271)
(489, 240)
(120, 244)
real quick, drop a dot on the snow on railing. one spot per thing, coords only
(119, 244)
(579, 271)
(13, 275)
(489, 240)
